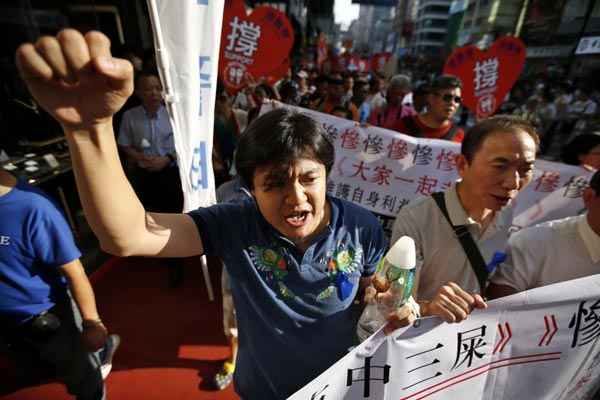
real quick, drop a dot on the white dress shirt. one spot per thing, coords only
(551, 252)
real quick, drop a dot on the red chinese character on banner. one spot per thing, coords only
(382, 175)
(547, 182)
(397, 150)
(446, 160)
(350, 139)
(426, 185)
(360, 169)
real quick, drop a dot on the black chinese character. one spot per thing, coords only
(422, 155)
(373, 199)
(586, 323)
(575, 186)
(343, 191)
(357, 195)
(314, 395)
(468, 343)
(373, 144)
(367, 376)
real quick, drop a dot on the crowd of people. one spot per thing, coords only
(298, 263)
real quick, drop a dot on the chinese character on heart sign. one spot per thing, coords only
(486, 105)
(486, 73)
(244, 37)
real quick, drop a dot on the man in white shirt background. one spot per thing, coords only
(554, 251)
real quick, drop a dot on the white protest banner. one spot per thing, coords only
(187, 37)
(383, 170)
(539, 344)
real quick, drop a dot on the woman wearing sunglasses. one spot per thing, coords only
(435, 122)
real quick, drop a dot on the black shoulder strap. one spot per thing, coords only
(412, 126)
(466, 240)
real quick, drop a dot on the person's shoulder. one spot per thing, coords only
(418, 206)
(353, 213)
(414, 213)
(541, 234)
(136, 110)
(32, 199)
(133, 112)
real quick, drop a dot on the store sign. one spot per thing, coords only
(487, 76)
(549, 51)
(251, 42)
(588, 45)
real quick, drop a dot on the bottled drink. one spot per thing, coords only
(395, 275)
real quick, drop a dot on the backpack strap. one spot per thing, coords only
(466, 241)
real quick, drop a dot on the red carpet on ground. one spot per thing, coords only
(172, 340)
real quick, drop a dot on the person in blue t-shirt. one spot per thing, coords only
(296, 257)
(47, 308)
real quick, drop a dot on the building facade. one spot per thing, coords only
(430, 27)
(486, 20)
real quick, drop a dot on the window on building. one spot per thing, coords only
(436, 9)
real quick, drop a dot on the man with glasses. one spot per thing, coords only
(443, 101)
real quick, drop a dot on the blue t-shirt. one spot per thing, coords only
(293, 310)
(35, 240)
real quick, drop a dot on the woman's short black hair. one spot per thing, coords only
(475, 136)
(278, 138)
(579, 146)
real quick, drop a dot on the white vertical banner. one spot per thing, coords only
(187, 35)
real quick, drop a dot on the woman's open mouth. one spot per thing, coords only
(297, 219)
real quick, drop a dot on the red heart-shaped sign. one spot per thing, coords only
(252, 45)
(487, 76)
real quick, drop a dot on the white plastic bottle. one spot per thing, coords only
(396, 274)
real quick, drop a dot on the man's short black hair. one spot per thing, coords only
(475, 136)
(278, 138)
(444, 82)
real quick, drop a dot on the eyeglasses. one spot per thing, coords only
(448, 98)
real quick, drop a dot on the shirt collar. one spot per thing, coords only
(456, 211)
(458, 214)
(153, 116)
(590, 238)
